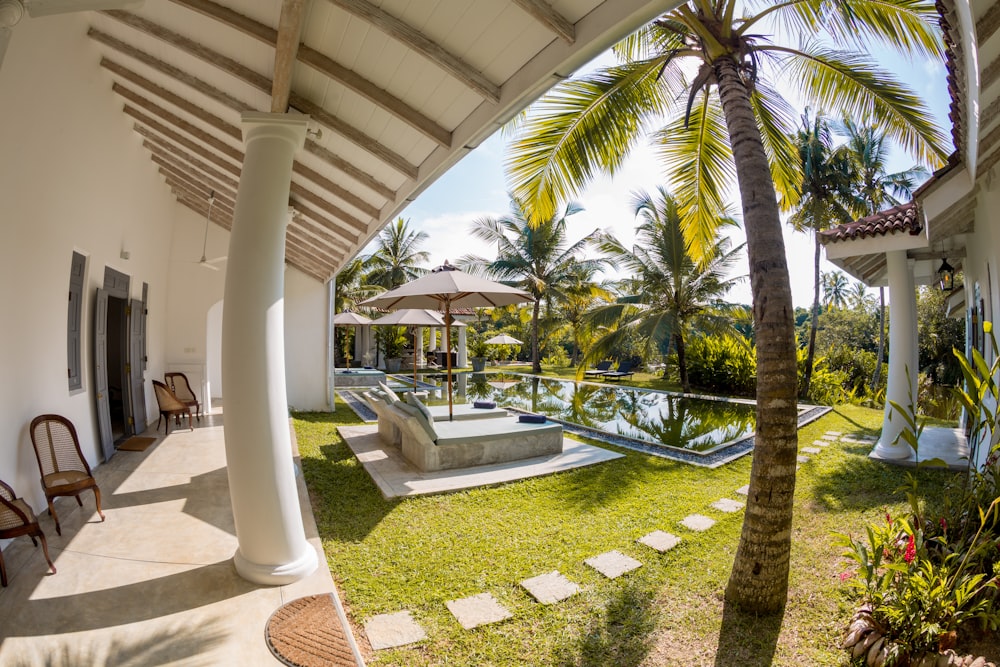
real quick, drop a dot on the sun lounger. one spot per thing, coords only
(624, 370)
(598, 370)
(462, 444)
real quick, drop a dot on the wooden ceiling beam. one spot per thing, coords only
(295, 246)
(326, 229)
(168, 151)
(208, 186)
(234, 132)
(542, 12)
(286, 48)
(326, 66)
(262, 83)
(350, 222)
(153, 130)
(363, 178)
(206, 138)
(411, 37)
(181, 103)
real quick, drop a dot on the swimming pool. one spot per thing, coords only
(695, 424)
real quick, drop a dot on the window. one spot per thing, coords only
(77, 271)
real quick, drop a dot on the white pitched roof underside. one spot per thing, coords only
(399, 89)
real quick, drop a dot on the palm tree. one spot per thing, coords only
(397, 257)
(876, 190)
(350, 287)
(824, 200)
(676, 295)
(835, 289)
(734, 123)
(859, 298)
(534, 257)
(578, 298)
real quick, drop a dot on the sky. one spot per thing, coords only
(477, 187)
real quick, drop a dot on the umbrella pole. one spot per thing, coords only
(416, 351)
(447, 352)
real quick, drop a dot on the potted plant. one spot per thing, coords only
(393, 340)
(478, 350)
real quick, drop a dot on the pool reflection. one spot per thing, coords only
(654, 417)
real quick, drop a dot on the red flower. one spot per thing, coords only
(844, 576)
(888, 519)
(911, 550)
(944, 524)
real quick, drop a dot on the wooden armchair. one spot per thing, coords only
(16, 519)
(64, 470)
(170, 406)
(181, 388)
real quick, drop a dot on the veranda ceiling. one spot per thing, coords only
(399, 91)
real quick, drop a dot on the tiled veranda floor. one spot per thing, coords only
(155, 583)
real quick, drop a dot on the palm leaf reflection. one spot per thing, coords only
(654, 417)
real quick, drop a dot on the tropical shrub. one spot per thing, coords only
(557, 358)
(721, 364)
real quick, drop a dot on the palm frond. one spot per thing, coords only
(581, 127)
(775, 118)
(855, 85)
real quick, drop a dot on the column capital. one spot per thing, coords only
(260, 124)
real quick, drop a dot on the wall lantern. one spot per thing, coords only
(946, 276)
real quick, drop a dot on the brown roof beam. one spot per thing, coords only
(262, 83)
(406, 34)
(168, 151)
(286, 48)
(352, 223)
(326, 66)
(542, 12)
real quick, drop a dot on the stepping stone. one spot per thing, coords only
(821, 443)
(811, 450)
(835, 434)
(802, 459)
(391, 630)
(477, 610)
(831, 438)
(660, 540)
(613, 564)
(550, 588)
(697, 522)
(744, 490)
(727, 505)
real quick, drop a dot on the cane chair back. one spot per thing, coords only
(64, 470)
(17, 519)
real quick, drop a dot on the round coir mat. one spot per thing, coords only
(308, 633)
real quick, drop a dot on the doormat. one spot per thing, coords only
(308, 632)
(136, 444)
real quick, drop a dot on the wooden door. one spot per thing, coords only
(101, 397)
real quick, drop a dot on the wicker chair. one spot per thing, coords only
(16, 519)
(170, 406)
(64, 470)
(179, 384)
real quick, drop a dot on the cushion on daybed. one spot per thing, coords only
(486, 430)
(412, 399)
(531, 419)
(390, 395)
(425, 423)
(484, 405)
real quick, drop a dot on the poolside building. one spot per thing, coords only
(949, 223)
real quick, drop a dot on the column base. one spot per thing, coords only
(891, 452)
(277, 575)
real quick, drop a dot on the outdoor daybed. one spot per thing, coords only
(378, 399)
(443, 445)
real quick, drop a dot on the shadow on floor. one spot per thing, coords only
(746, 638)
(623, 636)
(130, 603)
(200, 495)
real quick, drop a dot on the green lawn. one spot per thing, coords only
(417, 553)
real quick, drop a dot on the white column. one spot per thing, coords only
(418, 349)
(360, 336)
(903, 355)
(433, 346)
(272, 544)
(463, 351)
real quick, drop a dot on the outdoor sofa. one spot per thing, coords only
(443, 445)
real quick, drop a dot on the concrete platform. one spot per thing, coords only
(395, 476)
(154, 584)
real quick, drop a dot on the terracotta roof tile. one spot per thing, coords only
(903, 218)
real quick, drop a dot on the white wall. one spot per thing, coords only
(305, 341)
(73, 176)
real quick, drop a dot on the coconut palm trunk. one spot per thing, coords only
(814, 320)
(536, 363)
(682, 370)
(759, 580)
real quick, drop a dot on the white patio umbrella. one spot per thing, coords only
(504, 339)
(419, 317)
(446, 287)
(348, 318)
